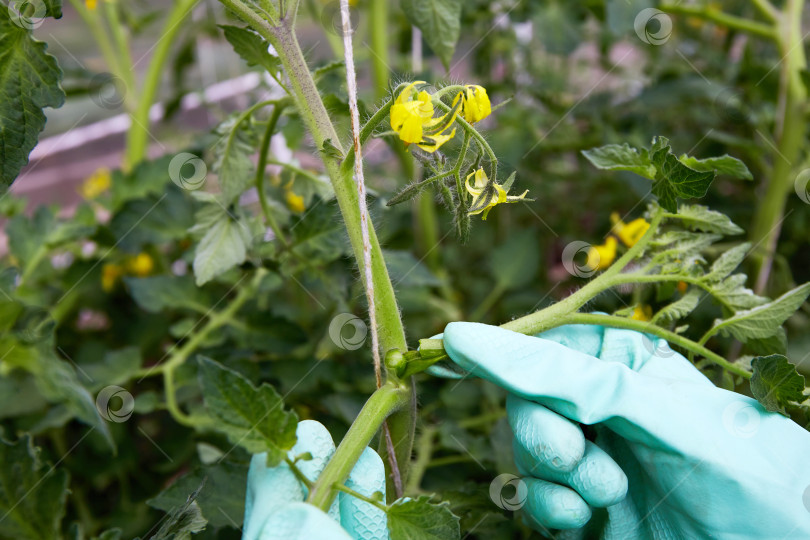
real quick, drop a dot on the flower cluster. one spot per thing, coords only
(602, 256)
(140, 265)
(412, 115)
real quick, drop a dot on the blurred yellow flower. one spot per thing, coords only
(642, 313)
(96, 184)
(110, 274)
(628, 233)
(475, 105)
(294, 202)
(476, 189)
(141, 265)
(91, 4)
(600, 257)
(412, 119)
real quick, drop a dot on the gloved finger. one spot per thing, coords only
(300, 521)
(545, 435)
(270, 488)
(576, 385)
(363, 520)
(551, 506)
(596, 478)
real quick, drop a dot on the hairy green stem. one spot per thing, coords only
(121, 40)
(378, 44)
(138, 133)
(383, 402)
(644, 326)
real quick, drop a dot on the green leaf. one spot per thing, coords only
(440, 23)
(223, 246)
(765, 320)
(221, 498)
(32, 495)
(725, 165)
(43, 230)
(158, 293)
(700, 218)
(419, 519)
(251, 417)
(29, 82)
(726, 263)
(183, 520)
(514, 263)
(775, 382)
(675, 180)
(679, 308)
(251, 47)
(621, 157)
(236, 142)
(733, 292)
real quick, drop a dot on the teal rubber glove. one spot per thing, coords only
(274, 507)
(673, 455)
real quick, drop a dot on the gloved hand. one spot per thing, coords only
(274, 507)
(673, 455)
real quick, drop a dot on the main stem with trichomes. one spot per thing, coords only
(317, 121)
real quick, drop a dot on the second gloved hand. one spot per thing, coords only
(674, 456)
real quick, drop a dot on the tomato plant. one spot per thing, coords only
(211, 291)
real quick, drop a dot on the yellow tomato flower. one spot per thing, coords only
(476, 189)
(96, 184)
(91, 4)
(110, 273)
(412, 119)
(600, 257)
(294, 202)
(141, 265)
(475, 105)
(628, 233)
(642, 313)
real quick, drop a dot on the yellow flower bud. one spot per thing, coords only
(628, 233)
(475, 105)
(642, 313)
(96, 184)
(110, 273)
(141, 265)
(295, 202)
(600, 257)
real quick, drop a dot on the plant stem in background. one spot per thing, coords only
(378, 33)
(264, 150)
(138, 134)
(789, 139)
